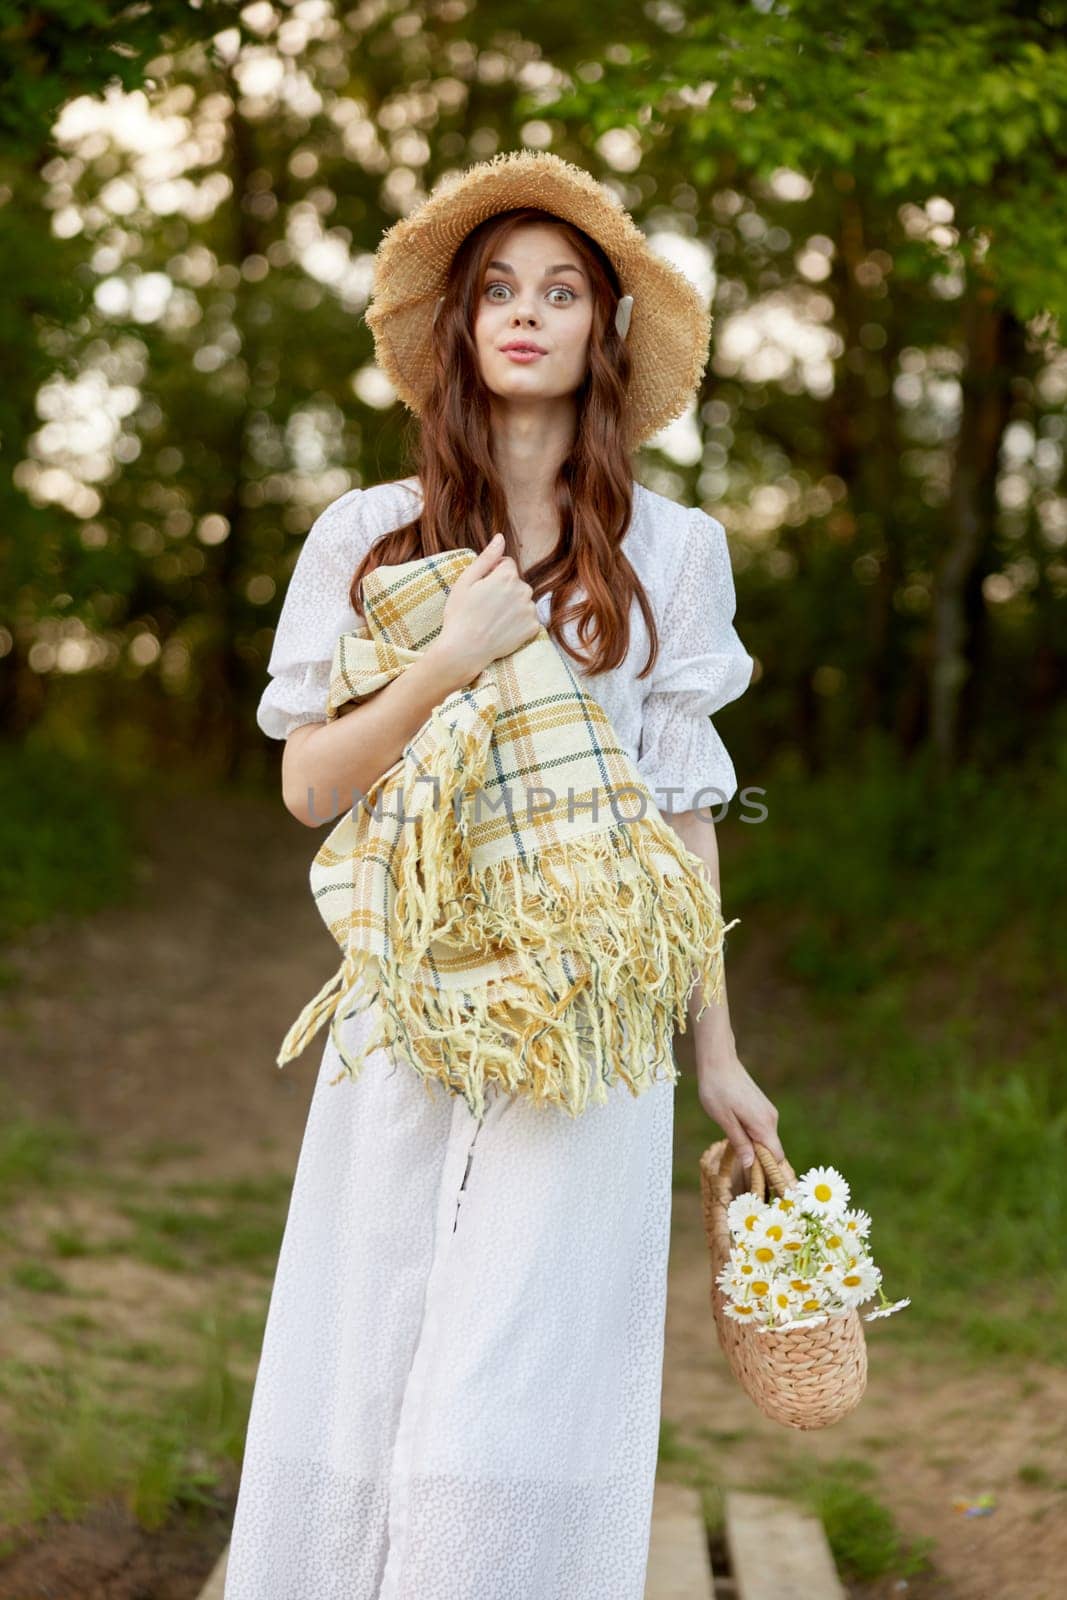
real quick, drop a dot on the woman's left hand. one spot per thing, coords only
(733, 1099)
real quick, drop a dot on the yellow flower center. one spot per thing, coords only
(852, 1279)
(811, 1305)
(764, 1253)
(774, 1230)
(759, 1286)
(822, 1191)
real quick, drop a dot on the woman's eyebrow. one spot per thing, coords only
(562, 266)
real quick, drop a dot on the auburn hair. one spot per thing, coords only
(463, 499)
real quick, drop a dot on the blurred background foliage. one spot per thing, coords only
(191, 200)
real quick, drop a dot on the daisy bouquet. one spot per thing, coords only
(801, 1257)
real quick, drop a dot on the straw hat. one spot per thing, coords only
(661, 312)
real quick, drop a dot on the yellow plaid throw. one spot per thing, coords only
(507, 892)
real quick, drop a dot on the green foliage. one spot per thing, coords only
(966, 101)
(54, 48)
(64, 836)
(882, 198)
(885, 870)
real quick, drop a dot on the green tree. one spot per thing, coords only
(883, 110)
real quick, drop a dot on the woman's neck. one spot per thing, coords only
(529, 446)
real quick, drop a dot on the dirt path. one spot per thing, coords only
(160, 1020)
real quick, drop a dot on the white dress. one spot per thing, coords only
(458, 1396)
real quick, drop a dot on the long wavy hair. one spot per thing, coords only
(463, 497)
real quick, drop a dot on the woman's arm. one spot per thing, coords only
(713, 1036)
(727, 1092)
(329, 766)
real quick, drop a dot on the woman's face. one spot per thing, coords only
(534, 291)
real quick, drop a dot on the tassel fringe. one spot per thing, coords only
(610, 930)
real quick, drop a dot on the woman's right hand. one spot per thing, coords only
(489, 612)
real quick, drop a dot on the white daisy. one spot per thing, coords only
(836, 1239)
(858, 1282)
(791, 1245)
(783, 1300)
(810, 1295)
(795, 1322)
(855, 1222)
(886, 1311)
(765, 1253)
(743, 1213)
(824, 1191)
(741, 1312)
(772, 1228)
(739, 1287)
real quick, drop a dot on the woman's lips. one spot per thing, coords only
(524, 355)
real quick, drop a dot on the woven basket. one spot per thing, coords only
(802, 1377)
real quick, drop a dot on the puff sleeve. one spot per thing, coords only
(702, 666)
(315, 611)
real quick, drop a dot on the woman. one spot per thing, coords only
(459, 1391)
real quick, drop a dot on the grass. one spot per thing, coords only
(673, 1451)
(175, 1237)
(150, 1418)
(862, 1532)
(81, 1437)
(865, 1541)
(34, 1154)
(907, 944)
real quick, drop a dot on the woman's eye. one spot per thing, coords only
(559, 288)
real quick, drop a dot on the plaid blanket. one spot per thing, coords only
(507, 893)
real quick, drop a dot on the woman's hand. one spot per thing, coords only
(489, 612)
(735, 1101)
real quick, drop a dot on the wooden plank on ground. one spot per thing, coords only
(678, 1565)
(216, 1583)
(777, 1551)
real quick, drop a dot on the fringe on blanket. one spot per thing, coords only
(609, 941)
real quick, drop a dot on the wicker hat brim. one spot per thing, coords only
(670, 327)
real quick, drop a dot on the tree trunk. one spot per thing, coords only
(990, 347)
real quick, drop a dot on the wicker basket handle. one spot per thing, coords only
(765, 1171)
